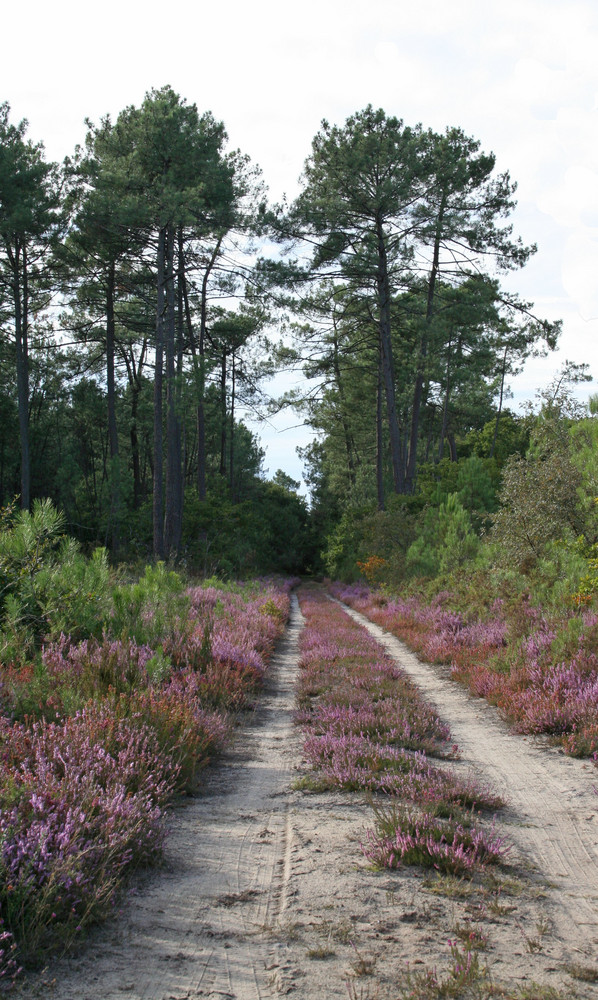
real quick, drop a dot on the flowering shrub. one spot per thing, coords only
(98, 735)
(541, 672)
(188, 733)
(367, 728)
(9, 970)
(80, 806)
(408, 837)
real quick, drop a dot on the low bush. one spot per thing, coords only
(418, 837)
(81, 806)
(540, 669)
(367, 728)
(98, 734)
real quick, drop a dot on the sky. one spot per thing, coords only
(519, 75)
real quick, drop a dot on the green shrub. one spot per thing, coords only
(446, 541)
(74, 593)
(47, 586)
(539, 504)
(151, 610)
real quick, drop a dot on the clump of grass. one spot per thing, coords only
(584, 973)
(464, 974)
(501, 883)
(466, 978)
(472, 937)
(363, 965)
(535, 943)
(320, 952)
(451, 886)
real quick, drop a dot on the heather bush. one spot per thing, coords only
(99, 733)
(456, 845)
(187, 732)
(78, 672)
(224, 639)
(81, 807)
(9, 969)
(540, 669)
(366, 727)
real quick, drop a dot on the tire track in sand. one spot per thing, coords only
(552, 813)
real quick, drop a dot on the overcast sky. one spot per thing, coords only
(519, 75)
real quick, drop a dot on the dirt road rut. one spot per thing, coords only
(552, 803)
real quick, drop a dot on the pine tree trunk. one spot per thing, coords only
(348, 437)
(500, 402)
(18, 261)
(172, 525)
(134, 439)
(158, 506)
(201, 416)
(111, 403)
(222, 469)
(379, 439)
(423, 351)
(445, 405)
(201, 421)
(231, 473)
(180, 350)
(396, 451)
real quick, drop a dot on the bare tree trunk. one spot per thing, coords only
(348, 437)
(222, 469)
(201, 422)
(452, 446)
(158, 506)
(180, 348)
(396, 451)
(111, 403)
(379, 438)
(18, 261)
(134, 376)
(445, 405)
(499, 411)
(172, 526)
(134, 439)
(423, 351)
(232, 430)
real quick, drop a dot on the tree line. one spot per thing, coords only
(139, 293)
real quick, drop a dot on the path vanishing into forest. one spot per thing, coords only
(265, 892)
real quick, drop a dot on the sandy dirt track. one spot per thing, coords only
(265, 892)
(552, 800)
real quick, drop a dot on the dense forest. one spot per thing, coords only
(149, 291)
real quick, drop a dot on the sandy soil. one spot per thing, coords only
(265, 892)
